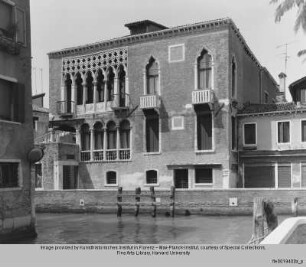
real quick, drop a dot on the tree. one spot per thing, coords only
(300, 21)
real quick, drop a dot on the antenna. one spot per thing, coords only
(286, 53)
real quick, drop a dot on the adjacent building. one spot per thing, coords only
(272, 147)
(155, 108)
(16, 133)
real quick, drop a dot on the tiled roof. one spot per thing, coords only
(270, 108)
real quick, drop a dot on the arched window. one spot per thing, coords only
(152, 76)
(121, 77)
(151, 177)
(125, 134)
(79, 88)
(204, 66)
(234, 78)
(99, 136)
(68, 83)
(89, 85)
(100, 87)
(111, 178)
(110, 84)
(111, 135)
(85, 137)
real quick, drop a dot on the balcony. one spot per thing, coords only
(202, 97)
(65, 108)
(9, 45)
(122, 154)
(149, 102)
(120, 101)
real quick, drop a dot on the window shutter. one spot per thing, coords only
(284, 176)
(259, 177)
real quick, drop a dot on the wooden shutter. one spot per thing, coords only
(259, 177)
(284, 176)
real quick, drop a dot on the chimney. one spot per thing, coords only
(281, 97)
(144, 26)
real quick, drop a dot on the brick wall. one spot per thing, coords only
(212, 202)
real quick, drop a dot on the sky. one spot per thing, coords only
(58, 24)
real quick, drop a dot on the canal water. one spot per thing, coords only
(108, 229)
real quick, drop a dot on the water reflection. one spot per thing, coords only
(108, 229)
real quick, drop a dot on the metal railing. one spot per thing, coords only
(98, 155)
(110, 155)
(85, 155)
(149, 101)
(202, 96)
(124, 154)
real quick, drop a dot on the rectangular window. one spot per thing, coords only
(303, 131)
(178, 123)
(7, 27)
(152, 134)
(9, 174)
(111, 178)
(284, 176)
(151, 177)
(176, 53)
(283, 132)
(203, 176)
(301, 96)
(234, 135)
(249, 134)
(181, 178)
(12, 105)
(38, 175)
(204, 131)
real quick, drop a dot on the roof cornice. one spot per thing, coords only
(144, 37)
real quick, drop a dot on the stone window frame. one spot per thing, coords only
(290, 133)
(301, 122)
(277, 164)
(212, 150)
(106, 184)
(20, 175)
(243, 134)
(146, 153)
(196, 70)
(157, 178)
